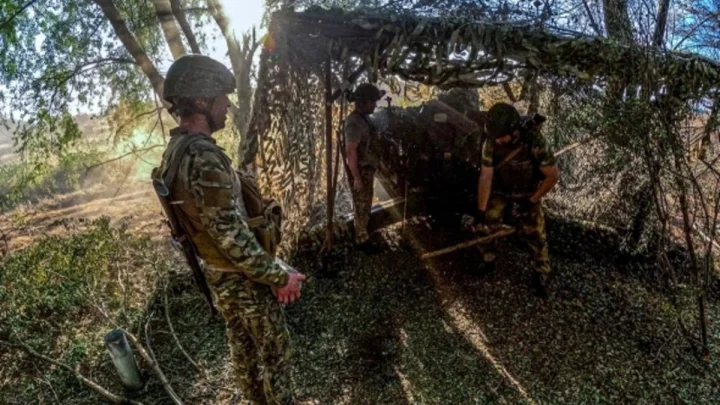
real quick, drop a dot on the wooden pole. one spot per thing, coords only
(328, 153)
(339, 146)
(463, 245)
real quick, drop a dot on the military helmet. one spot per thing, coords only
(461, 99)
(197, 76)
(502, 119)
(367, 92)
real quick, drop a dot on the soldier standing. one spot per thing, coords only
(518, 169)
(361, 138)
(246, 282)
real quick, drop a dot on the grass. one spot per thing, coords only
(391, 329)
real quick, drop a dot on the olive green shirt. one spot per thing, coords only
(360, 130)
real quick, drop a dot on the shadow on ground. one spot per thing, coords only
(393, 329)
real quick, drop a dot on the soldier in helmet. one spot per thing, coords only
(518, 169)
(361, 138)
(247, 283)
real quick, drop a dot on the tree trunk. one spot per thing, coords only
(241, 58)
(659, 36)
(131, 44)
(617, 20)
(185, 25)
(710, 127)
(169, 28)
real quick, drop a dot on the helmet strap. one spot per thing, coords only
(207, 112)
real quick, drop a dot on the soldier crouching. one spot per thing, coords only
(518, 169)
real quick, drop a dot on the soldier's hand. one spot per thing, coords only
(291, 292)
(357, 185)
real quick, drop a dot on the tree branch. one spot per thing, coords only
(132, 45)
(593, 23)
(116, 399)
(16, 13)
(170, 29)
(659, 36)
(241, 58)
(180, 16)
(133, 152)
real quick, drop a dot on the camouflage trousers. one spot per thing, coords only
(257, 336)
(362, 201)
(531, 226)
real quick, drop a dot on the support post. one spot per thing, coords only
(123, 360)
(328, 153)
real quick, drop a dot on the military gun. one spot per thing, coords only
(530, 122)
(181, 241)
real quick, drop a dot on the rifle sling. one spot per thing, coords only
(510, 157)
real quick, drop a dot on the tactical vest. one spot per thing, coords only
(518, 176)
(264, 217)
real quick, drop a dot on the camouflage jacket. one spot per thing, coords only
(207, 195)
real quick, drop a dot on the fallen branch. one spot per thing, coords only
(574, 145)
(174, 335)
(153, 362)
(463, 245)
(102, 391)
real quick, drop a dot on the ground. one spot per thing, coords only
(394, 329)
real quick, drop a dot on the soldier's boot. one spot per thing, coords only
(539, 284)
(489, 262)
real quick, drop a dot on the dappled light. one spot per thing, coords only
(393, 202)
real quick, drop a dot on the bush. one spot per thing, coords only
(24, 182)
(46, 288)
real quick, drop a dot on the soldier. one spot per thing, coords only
(361, 140)
(211, 204)
(518, 169)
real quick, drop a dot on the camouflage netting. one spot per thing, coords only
(287, 130)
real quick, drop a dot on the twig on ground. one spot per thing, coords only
(102, 391)
(657, 355)
(43, 379)
(149, 356)
(175, 337)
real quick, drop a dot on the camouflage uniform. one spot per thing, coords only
(360, 130)
(513, 185)
(240, 273)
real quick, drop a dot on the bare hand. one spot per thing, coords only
(357, 185)
(291, 292)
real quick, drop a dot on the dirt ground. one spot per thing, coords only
(393, 329)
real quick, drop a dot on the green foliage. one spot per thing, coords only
(28, 182)
(59, 55)
(46, 288)
(50, 292)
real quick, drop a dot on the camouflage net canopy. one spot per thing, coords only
(287, 137)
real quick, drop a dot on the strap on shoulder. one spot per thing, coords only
(510, 157)
(176, 156)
